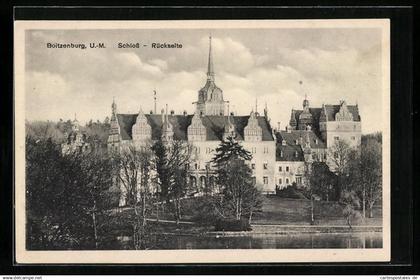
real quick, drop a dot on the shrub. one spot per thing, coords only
(232, 225)
(290, 191)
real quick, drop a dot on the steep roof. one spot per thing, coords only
(293, 139)
(331, 110)
(214, 125)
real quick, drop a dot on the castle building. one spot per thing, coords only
(278, 157)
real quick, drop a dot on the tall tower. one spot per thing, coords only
(210, 97)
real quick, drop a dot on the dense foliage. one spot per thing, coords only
(64, 196)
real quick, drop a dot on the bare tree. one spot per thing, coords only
(340, 157)
(369, 174)
(179, 157)
(135, 177)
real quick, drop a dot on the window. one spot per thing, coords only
(336, 138)
(265, 150)
(353, 138)
(281, 153)
(265, 180)
(253, 166)
(287, 169)
(299, 180)
(280, 169)
(296, 154)
(265, 165)
(287, 180)
(280, 181)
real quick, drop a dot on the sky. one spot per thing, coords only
(250, 64)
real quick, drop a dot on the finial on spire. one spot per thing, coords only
(256, 105)
(210, 70)
(114, 106)
(154, 98)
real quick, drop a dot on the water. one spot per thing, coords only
(266, 241)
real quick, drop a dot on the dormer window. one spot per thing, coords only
(281, 153)
(283, 142)
(296, 154)
(296, 142)
(316, 141)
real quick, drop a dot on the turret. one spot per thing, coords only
(229, 129)
(114, 131)
(167, 128)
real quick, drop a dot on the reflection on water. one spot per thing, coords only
(267, 241)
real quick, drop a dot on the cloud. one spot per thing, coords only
(60, 82)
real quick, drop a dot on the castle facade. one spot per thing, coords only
(278, 156)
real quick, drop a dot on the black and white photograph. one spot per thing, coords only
(202, 141)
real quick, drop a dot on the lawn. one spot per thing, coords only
(288, 211)
(282, 211)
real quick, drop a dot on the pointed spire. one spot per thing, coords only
(114, 106)
(210, 70)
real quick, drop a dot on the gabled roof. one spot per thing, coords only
(214, 125)
(331, 110)
(293, 139)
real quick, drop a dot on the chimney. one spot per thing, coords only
(278, 126)
(172, 112)
(151, 112)
(185, 113)
(162, 113)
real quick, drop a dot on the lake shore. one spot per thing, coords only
(296, 229)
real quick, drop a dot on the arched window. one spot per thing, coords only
(193, 182)
(203, 182)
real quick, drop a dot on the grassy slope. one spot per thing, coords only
(283, 211)
(286, 211)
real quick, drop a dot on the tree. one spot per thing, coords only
(162, 169)
(322, 180)
(371, 172)
(366, 174)
(97, 171)
(234, 176)
(179, 157)
(172, 160)
(340, 156)
(134, 176)
(350, 203)
(64, 195)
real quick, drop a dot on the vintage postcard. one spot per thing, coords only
(202, 141)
